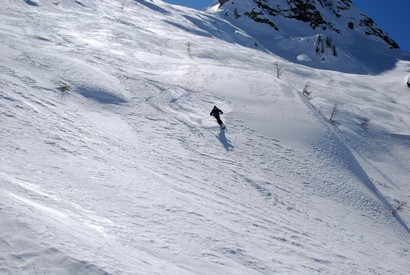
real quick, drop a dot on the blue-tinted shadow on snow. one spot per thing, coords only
(364, 57)
(185, 28)
(100, 95)
(352, 164)
(357, 169)
(152, 6)
(210, 26)
(401, 136)
(32, 3)
(225, 142)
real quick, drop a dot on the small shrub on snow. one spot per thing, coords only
(333, 114)
(365, 122)
(278, 69)
(306, 91)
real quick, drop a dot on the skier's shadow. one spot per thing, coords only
(225, 142)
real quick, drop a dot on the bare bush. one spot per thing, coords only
(333, 114)
(398, 207)
(365, 122)
(306, 90)
(278, 69)
(64, 88)
(189, 49)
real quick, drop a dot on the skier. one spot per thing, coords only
(215, 113)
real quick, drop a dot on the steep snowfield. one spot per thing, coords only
(111, 164)
(324, 34)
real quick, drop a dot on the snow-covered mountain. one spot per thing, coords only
(111, 164)
(316, 33)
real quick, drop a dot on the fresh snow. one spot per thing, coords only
(111, 164)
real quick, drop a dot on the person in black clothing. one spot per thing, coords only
(216, 114)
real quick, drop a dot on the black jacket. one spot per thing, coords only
(216, 112)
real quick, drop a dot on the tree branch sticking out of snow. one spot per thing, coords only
(398, 207)
(278, 69)
(306, 91)
(333, 114)
(189, 49)
(64, 88)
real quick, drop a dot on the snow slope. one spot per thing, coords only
(324, 34)
(111, 164)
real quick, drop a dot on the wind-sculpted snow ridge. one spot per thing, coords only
(111, 163)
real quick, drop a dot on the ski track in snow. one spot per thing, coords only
(126, 173)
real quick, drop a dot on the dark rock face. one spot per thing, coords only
(222, 2)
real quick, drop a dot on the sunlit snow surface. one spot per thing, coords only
(111, 164)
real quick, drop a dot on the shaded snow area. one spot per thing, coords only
(324, 34)
(111, 163)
